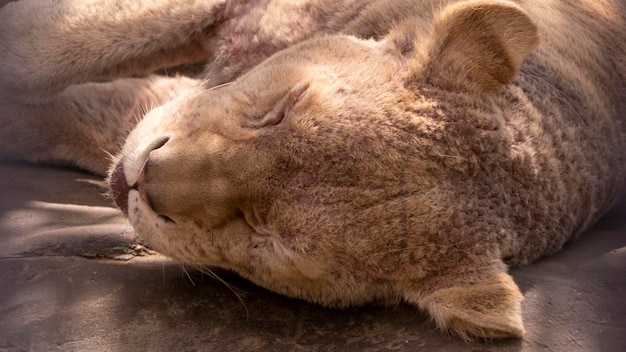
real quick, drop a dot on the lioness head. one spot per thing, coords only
(326, 173)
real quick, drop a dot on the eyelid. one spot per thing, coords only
(276, 115)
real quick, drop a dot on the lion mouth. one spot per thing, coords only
(120, 185)
(120, 188)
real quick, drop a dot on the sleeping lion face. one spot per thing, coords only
(272, 174)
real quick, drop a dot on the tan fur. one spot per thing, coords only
(364, 150)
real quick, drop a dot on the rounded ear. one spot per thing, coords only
(475, 46)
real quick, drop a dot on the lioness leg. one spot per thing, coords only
(83, 125)
(46, 46)
(49, 50)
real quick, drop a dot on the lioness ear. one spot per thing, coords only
(476, 46)
(276, 114)
(490, 308)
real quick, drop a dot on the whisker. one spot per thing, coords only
(235, 290)
(221, 85)
(182, 266)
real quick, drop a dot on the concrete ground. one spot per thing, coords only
(73, 278)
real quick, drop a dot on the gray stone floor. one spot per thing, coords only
(72, 278)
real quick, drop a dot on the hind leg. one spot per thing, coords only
(49, 45)
(51, 50)
(83, 125)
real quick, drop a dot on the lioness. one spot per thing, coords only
(336, 151)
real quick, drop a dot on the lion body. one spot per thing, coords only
(336, 151)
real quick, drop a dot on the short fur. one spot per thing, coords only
(335, 151)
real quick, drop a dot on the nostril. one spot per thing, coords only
(141, 183)
(159, 143)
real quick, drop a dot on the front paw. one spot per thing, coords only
(488, 308)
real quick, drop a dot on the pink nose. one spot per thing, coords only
(120, 187)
